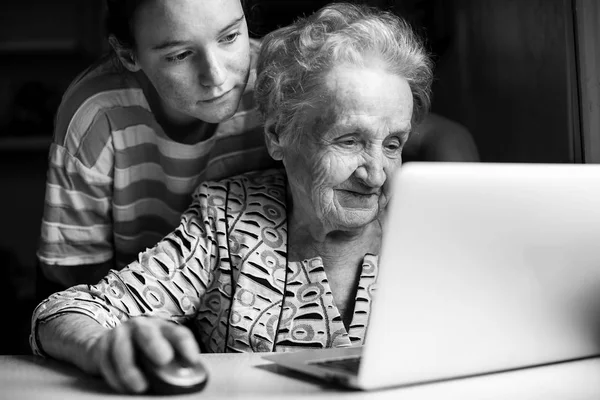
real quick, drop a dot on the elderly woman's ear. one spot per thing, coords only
(273, 140)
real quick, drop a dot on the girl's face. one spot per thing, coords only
(196, 55)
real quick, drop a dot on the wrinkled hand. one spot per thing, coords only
(114, 353)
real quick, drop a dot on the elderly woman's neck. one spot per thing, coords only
(308, 241)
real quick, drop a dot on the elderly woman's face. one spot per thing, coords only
(342, 167)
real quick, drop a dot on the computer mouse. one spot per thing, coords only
(176, 377)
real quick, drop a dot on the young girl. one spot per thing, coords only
(171, 106)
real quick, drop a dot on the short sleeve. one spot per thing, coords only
(77, 224)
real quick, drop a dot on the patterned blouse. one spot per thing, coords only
(223, 272)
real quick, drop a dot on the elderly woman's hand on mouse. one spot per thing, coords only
(115, 353)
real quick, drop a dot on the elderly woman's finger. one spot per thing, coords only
(149, 339)
(106, 365)
(123, 358)
(183, 341)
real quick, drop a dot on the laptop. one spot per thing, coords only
(483, 268)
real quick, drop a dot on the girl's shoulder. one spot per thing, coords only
(102, 88)
(106, 74)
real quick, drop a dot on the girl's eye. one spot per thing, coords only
(179, 57)
(231, 37)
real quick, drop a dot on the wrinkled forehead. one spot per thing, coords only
(351, 96)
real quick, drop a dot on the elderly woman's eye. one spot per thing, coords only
(393, 144)
(348, 142)
(178, 57)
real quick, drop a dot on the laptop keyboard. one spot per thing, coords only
(349, 364)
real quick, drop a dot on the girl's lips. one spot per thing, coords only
(216, 98)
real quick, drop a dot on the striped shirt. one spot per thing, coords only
(117, 183)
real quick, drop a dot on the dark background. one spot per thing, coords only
(505, 69)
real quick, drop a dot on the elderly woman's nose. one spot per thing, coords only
(372, 172)
(212, 70)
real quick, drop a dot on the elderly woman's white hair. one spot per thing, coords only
(293, 60)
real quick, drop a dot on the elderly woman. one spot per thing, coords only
(275, 260)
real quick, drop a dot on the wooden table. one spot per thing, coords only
(248, 376)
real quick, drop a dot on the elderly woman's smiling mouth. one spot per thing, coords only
(356, 198)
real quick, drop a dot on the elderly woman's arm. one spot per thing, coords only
(70, 337)
(111, 352)
(99, 327)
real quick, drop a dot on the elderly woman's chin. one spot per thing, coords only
(356, 216)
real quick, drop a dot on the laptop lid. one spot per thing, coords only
(484, 268)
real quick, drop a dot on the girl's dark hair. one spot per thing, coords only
(119, 20)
